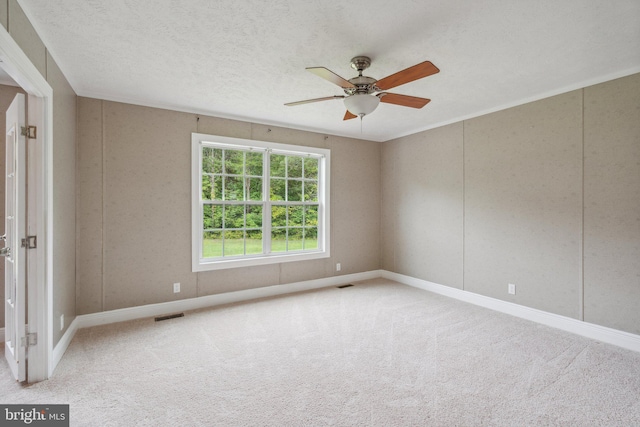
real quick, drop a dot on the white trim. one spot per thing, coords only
(589, 330)
(198, 140)
(585, 329)
(64, 343)
(583, 84)
(150, 310)
(16, 63)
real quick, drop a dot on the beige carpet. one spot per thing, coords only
(375, 354)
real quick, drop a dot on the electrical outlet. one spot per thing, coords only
(61, 321)
(512, 289)
(176, 288)
(338, 267)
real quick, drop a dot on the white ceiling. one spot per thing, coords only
(244, 59)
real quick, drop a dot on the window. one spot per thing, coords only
(256, 202)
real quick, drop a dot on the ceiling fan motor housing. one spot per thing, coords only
(360, 63)
(363, 85)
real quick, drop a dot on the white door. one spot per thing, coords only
(14, 253)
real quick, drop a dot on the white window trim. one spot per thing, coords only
(202, 264)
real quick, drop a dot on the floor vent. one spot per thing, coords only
(344, 286)
(169, 316)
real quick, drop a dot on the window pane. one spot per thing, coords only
(295, 239)
(254, 216)
(233, 188)
(278, 216)
(294, 167)
(277, 165)
(233, 216)
(278, 189)
(311, 215)
(254, 164)
(239, 198)
(211, 160)
(212, 216)
(310, 191)
(234, 243)
(310, 238)
(207, 159)
(217, 187)
(254, 188)
(295, 215)
(207, 187)
(211, 244)
(294, 190)
(254, 242)
(278, 240)
(233, 162)
(311, 168)
(207, 217)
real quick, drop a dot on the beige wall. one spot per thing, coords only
(612, 204)
(523, 204)
(64, 128)
(423, 184)
(517, 178)
(133, 207)
(4, 13)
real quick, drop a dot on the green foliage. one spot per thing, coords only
(311, 168)
(294, 167)
(278, 165)
(254, 164)
(236, 175)
(294, 190)
(231, 174)
(278, 216)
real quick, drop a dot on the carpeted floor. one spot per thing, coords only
(375, 354)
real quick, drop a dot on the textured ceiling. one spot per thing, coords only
(244, 59)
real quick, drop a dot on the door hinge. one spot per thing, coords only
(30, 242)
(30, 340)
(29, 131)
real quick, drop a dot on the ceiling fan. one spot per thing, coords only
(363, 94)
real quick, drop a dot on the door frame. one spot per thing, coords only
(40, 162)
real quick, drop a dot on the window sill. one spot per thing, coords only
(205, 265)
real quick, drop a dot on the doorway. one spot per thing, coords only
(37, 340)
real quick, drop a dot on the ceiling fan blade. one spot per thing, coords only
(331, 76)
(307, 101)
(424, 69)
(404, 100)
(349, 116)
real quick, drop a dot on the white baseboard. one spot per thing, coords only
(150, 310)
(63, 344)
(589, 330)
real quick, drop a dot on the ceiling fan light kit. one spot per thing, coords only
(361, 104)
(363, 94)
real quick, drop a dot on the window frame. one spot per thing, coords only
(198, 140)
